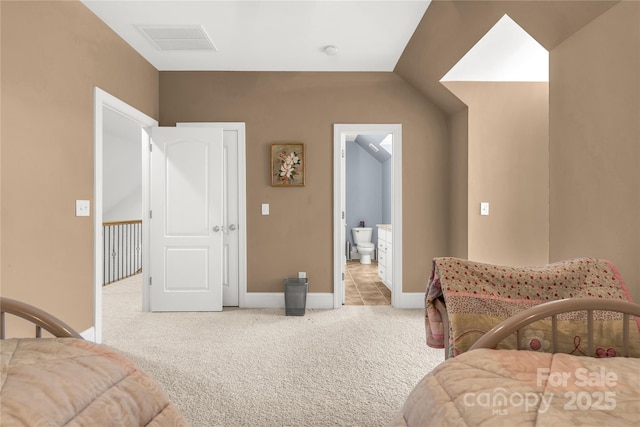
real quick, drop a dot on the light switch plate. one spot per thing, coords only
(83, 208)
(484, 208)
(265, 209)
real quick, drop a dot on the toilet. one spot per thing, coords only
(362, 240)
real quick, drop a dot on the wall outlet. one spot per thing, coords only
(83, 208)
(265, 209)
(302, 275)
(484, 208)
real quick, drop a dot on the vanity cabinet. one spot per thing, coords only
(385, 249)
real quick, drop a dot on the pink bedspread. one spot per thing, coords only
(525, 389)
(72, 382)
(478, 296)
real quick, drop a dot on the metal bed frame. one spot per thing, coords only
(40, 318)
(551, 309)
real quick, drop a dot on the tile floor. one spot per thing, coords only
(363, 285)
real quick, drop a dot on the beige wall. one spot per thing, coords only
(459, 184)
(508, 166)
(53, 54)
(595, 143)
(303, 107)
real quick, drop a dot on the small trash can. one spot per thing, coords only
(295, 296)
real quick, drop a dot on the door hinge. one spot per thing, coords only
(343, 154)
(342, 214)
(150, 147)
(343, 277)
(150, 281)
(150, 214)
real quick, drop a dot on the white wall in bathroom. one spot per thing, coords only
(365, 190)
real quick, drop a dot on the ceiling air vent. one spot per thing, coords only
(178, 38)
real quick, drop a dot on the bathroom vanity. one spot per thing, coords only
(385, 246)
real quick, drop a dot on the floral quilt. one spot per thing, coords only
(478, 296)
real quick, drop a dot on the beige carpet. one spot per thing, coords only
(257, 367)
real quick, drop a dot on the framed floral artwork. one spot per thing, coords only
(287, 164)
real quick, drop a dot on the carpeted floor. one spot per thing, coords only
(257, 367)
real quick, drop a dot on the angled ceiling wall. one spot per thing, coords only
(507, 53)
(450, 28)
(593, 118)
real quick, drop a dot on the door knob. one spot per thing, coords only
(218, 228)
(232, 227)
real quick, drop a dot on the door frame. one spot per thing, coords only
(339, 202)
(102, 100)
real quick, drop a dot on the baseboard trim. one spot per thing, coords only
(319, 300)
(89, 334)
(315, 300)
(411, 300)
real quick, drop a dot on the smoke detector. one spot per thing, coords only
(178, 38)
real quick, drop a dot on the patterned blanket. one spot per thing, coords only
(478, 296)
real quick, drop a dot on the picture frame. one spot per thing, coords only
(287, 164)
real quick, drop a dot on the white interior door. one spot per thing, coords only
(343, 203)
(186, 219)
(234, 257)
(230, 246)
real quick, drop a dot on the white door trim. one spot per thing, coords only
(339, 130)
(103, 99)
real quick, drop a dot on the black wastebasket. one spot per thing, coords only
(295, 296)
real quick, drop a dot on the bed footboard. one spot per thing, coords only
(552, 309)
(40, 318)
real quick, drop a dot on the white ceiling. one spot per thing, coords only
(267, 35)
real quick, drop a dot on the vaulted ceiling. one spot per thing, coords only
(392, 35)
(450, 28)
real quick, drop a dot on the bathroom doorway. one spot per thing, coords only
(368, 169)
(368, 161)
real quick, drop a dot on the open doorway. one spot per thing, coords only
(368, 160)
(373, 134)
(109, 112)
(121, 197)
